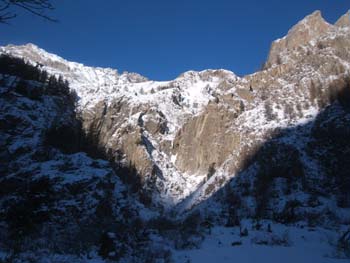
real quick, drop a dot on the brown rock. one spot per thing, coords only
(344, 20)
(205, 139)
(307, 29)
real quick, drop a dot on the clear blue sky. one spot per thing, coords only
(162, 38)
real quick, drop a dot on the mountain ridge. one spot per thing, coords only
(208, 146)
(172, 103)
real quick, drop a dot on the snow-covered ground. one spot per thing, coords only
(306, 245)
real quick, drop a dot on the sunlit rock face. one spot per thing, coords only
(308, 29)
(344, 20)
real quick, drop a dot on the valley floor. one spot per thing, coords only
(224, 244)
(305, 245)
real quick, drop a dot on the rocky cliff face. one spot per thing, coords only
(269, 136)
(301, 34)
(314, 67)
(173, 131)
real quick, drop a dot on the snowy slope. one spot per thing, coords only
(284, 86)
(225, 245)
(192, 91)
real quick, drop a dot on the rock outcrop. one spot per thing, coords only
(206, 140)
(344, 20)
(310, 28)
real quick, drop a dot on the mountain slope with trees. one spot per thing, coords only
(133, 169)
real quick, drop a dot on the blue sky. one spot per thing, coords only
(162, 38)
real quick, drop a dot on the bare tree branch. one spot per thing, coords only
(9, 8)
(3, 8)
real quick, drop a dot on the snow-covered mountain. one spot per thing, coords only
(271, 145)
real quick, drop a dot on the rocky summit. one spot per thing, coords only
(102, 165)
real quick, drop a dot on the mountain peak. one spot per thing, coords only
(315, 14)
(344, 20)
(306, 30)
(31, 46)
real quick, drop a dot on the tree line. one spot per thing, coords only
(25, 72)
